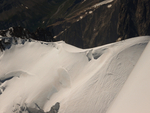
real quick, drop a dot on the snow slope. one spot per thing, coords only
(135, 95)
(81, 80)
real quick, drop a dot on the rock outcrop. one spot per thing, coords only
(92, 27)
(42, 34)
(55, 108)
(24, 109)
(133, 18)
(88, 23)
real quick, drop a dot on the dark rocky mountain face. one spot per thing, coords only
(91, 27)
(124, 19)
(19, 12)
(134, 18)
(83, 23)
(32, 14)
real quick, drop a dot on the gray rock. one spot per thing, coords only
(55, 108)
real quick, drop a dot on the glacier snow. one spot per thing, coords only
(94, 80)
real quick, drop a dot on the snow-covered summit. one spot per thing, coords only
(37, 75)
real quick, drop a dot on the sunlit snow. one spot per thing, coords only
(103, 2)
(109, 6)
(81, 80)
(90, 12)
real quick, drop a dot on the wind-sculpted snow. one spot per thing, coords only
(135, 95)
(37, 75)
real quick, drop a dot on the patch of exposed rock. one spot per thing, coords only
(24, 109)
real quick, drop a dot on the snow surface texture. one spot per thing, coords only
(82, 80)
(135, 94)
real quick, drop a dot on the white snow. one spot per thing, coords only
(11, 29)
(119, 39)
(135, 95)
(54, 36)
(102, 3)
(81, 17)
(8, 34)
(109, 6)
(90, 12)
(81, 80)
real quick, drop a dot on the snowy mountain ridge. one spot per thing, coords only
(36, 74)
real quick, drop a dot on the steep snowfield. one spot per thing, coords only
(82, 81)
(135, 94)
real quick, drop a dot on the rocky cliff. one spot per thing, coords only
(115, 21)
(133, 18)
(92, 27)
(84, 23)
